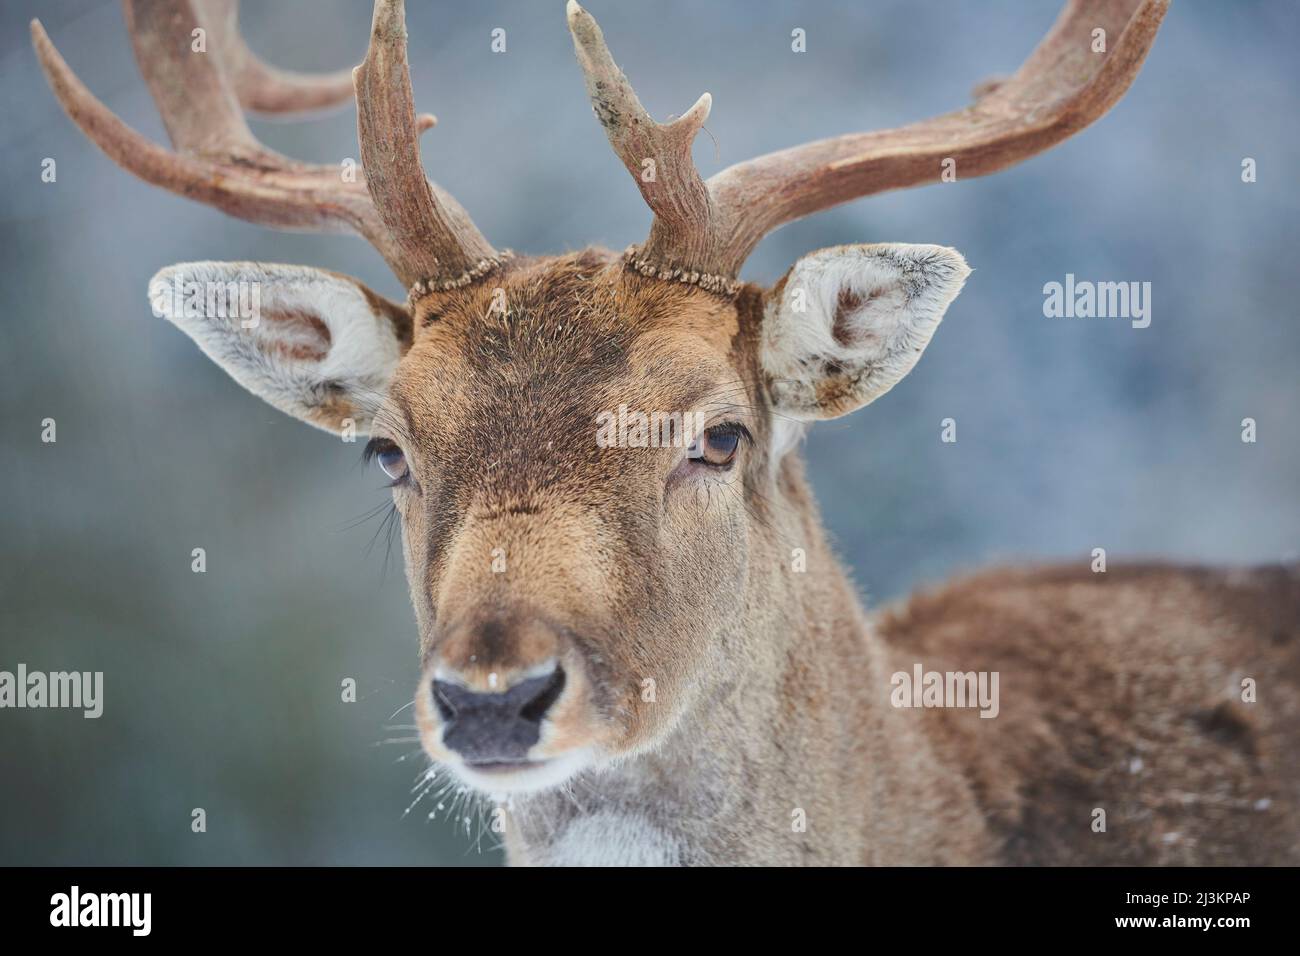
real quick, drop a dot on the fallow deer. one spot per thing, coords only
(650, 655)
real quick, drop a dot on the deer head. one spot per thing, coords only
(583, 578)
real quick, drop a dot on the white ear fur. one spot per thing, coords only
(315, 344)
(849, 322)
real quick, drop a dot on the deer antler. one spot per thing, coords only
(421, 232)
(658, 155)
(704, 231)
(434, 234)
(263, 88)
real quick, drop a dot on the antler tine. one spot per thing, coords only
(303, 197)
(218, 161)
(1063, 87)
(658, 155)
(191, 89)
(260, 87)
(435, 237)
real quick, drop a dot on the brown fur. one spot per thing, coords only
(1120, 690)
(724, 696)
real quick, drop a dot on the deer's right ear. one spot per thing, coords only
(315, 344)
(847, 323)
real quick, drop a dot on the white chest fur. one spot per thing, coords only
(608, 838)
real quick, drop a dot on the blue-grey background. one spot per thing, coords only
(222, 689)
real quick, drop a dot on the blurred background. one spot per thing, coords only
(222, 689)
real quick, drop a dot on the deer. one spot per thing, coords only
(648, 653)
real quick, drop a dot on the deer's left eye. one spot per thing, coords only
(718, 445)
(391, 460)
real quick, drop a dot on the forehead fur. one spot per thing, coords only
(512, 372)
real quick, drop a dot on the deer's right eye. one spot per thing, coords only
(392, 462)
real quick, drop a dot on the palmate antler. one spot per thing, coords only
(421, 231)
(704, 231)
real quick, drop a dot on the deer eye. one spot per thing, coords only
(718, 445)
(390, 458)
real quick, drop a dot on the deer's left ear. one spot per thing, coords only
(315, 344)
(846, 323)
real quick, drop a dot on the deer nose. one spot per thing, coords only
(491, 727)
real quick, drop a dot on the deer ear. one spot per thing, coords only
(315, 344)
(845, 324)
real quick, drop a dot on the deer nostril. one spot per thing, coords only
(535, 709)
(444, 706)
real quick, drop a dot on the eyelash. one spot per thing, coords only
(733, 428)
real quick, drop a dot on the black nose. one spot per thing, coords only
(496, 727)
